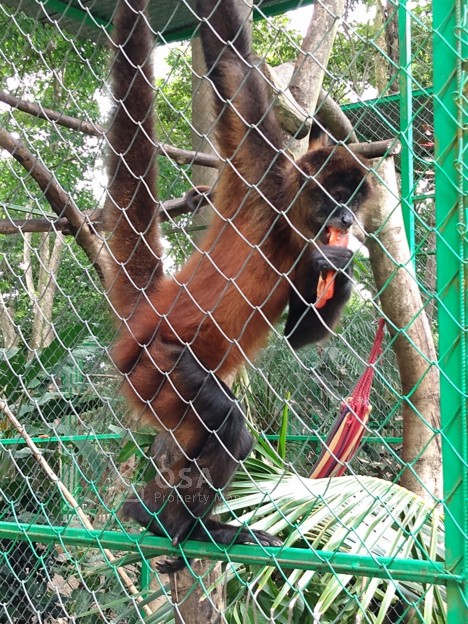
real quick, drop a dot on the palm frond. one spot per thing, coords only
(363, 516)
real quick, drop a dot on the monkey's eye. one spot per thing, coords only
(340, 198)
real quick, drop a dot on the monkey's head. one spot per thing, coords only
(333, 186)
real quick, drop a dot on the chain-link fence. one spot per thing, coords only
(125, 447)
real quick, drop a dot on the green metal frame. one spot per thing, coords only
(450, 76)
(91, 19)
(118, 436)
(406, 123)
(385, 99)
(77, 14)
(451, 123)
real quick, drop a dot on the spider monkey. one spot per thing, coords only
(182, 337)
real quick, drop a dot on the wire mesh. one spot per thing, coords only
(365, 547)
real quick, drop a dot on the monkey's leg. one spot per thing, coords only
(227, 443)
(207, 423)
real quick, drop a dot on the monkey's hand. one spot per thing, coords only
(331, 258)
(305, 323)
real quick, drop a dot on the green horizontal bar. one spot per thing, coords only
(424, 197)
(279, 8)
(38, 213)
(64, 439)
(293, 558)
(91, 19)
(77, 14)
(387, 98)
(117, 436)
(186, 32)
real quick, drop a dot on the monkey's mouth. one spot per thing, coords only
(327, 231)
(324, 236)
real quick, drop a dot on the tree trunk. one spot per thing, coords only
(401, 302)
(386, 23)
(7, 325)
(203, 119)
(192, 603)
(312, 62)
(42, 292)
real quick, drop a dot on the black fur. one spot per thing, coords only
(179, 506)
(305, 324)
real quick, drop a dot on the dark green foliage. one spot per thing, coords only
(25, 571)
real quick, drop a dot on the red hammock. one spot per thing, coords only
(348, 428)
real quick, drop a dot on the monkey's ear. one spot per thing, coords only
(318, 135)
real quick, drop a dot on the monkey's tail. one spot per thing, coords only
(131, 208)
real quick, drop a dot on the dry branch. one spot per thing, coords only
(41, 112)
(331, 115)
(334, 120)
(315, 51)
(291, 117)
(169, 210)
(58, 199)
(68, 496)
(374, 149)
(173, 207)
(311, 64)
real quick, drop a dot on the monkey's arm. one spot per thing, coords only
(305, 324)
(249, 134)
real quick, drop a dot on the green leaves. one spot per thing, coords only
(30, 383)
(364, 516)
(21, 373)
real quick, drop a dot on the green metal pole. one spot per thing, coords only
(79, 15)
(148, 546)
(452, 252)
(406, 123)
(145, 578)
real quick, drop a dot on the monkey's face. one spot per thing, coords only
(336, 207)
(333, 188)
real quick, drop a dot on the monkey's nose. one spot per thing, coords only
(347, 219)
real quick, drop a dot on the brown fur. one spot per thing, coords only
(181, 336)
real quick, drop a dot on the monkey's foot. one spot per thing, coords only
(261, 537)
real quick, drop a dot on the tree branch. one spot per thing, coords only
(60, 201)
(292, 118)
(334, 120)
(401, 302)
(180, 156)
(316, 48)
(41, 112)
(331, 116)
(169, 210)
(374, 149)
